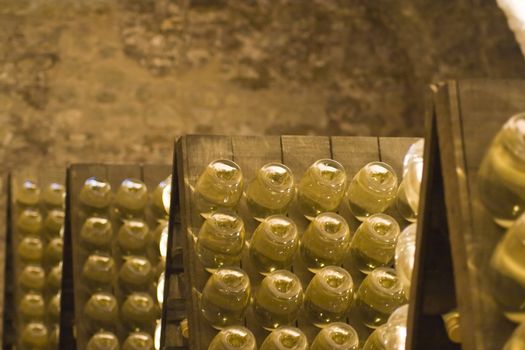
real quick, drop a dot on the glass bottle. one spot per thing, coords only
(96, 233)
(235, 337)
(98, 272)
(452, 324)
(162, 197)
(225, 297)
(139, 311)
(407, 200)
(501, 176)
(54, 336)
(54, 195)
(374, 242)
(336, 336)
(220, 240)
(405, 255)
(274, 244)
(278, 299)
(103, 340)
(133, 237)
(136, 274)
(32, 278)
(325, 242)
(219, 186)
(329, 295)
(391, 335)
(101, 312)
(160, 237)
(28, 193)
(507, 272)
(131, 198)
(53, 223)
(29, 222)
(322, 187)
(517, 339)
(95, 194)
(32, 307)
(138, 341)
(271, 192)
(54, 278)
(289, 338)
(53, 251)
(35, 336)
(53, 308)
(378, 296)
(372, 190)
(30, 250)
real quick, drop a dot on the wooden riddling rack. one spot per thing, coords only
(463, 117)
(74, 295)
(194, 153)
(12, 268)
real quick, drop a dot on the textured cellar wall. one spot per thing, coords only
(108, 80)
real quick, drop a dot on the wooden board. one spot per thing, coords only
(298, 153)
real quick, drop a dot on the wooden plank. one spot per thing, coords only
(7, 329)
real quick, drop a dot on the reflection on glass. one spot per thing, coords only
(162, 197)
(220, 240)
(374, 242)
(378, 296)
(160, 236)
(32, 307)
(54, 195)
(325, 242)
(98, 272)
(322, 187)
(96, 233)
(405, 255)
(501, 177)
(96, 194)
(136, 274)
(220, 185)
(103, 341)
(160, 289)
(30, 250)
(517, 339)
(274, 244)
(138, 341)
(236, 337)
(131, 198)
(29, 222)
(285, 338)
(329, 295)
(278, 299)
(336, 336)
(28, 193)
(35, 336)
(407, 200)
(133, 237)
(392, 334)
(225, 297)
(101, 312)
(32, 277)
(139, 311)
(54, 222)
(271, 192)
(372, 190)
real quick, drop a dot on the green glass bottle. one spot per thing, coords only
(32, 278)
(138, 341)
(378, 296)
(289, 338)
(133, 237)
(103, 340)
(219, 186)
(131, 198)
(54, 195)
(53, 308)
(271, 192)
(278, 299)
(96, 233)
(54, 278)
(29, 222)
(220, 240)
(372, 190)
(234, 338)
(96, 194)
(274, 244)
(35, 336)
(139, 311)
(28, 193)
(322, 187)
(325, 242)
(336, 336)
(374, 243)
(53, 251)
(392, 334)
(136, 274)
(30, 250)
(225, 297)
(54, 223)
(100, 312)
(98, 272)
(329, 295)
(32, 307)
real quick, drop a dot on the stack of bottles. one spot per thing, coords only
(327, 248)
(37, 235)
(122, 245)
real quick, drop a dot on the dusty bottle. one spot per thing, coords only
(219, 186)
(96, 194)
(32, 307)
(329, 295)
(374, 242)
(372, 190)
(391, 335)
(98, 272)
(138, 341)
(101, 312)
(225, 297)
(235, 337)
(501, 177)
(28, 193)
(322, 187)
(378, 296)
(53, 195)
(285, 338)
(139, 311)
(274, 244)
(96, 233)
(336, 336)
(517, 339)
(32, 278)
(407, 200)
(136, 274)
(325, 242)
(103, 340)
(133, 237)
(29, 222)
(35, 336)
(131, 198)
(278, 299)
(220, 240)
(30, 250)
(405, 255)
(271, 192)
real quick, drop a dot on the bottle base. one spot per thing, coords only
(516, 317)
